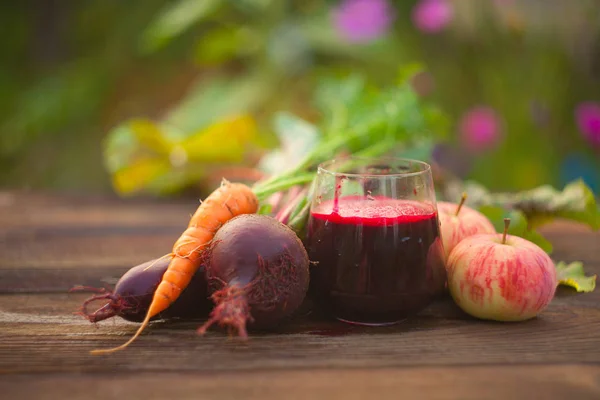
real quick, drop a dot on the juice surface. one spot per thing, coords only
(379, 259)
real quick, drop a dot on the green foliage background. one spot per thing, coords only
(72, 71)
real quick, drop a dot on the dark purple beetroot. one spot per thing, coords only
(133, 293)
(258, 272)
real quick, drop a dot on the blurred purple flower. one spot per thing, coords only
(432, 16)
(480, 129)
(587, 116)
(361, 21)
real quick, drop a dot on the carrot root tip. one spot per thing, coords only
(126, 344)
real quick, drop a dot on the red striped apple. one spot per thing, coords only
(458, 221)
(500, 277)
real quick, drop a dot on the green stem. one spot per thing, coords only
(298, 222)
(377, 149)
(317, 155)
(264, 191)
(321, 153)
(258, 187)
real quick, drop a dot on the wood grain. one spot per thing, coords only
(40, 334)
(435, 383)
(51, 243)
(44, 233)
(23, 211)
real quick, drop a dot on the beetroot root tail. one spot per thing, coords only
(231, 311)
(107, 311)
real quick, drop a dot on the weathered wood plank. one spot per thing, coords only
(24, 211)
(581, 382)
(58, 280)
(39, 334)
(83, 252)
(51, 243)
(42, 232)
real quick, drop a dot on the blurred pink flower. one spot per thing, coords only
(363, 20)
(587, 116)
(432, 16)
(480, 129)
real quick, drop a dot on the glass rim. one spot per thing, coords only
(323, 167)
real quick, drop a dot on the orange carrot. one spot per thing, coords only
(228, 201)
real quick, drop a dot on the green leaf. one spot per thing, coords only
(573, 275)
(496, 215)
(541, 205)
(219, 97)
(174, 19)
(70, 96)
(359, 119)
(366, 118)
(134, 139)
(297, 138)
(287, 49)
(334, 91)
(420, 150)
(576, 202)
(143, 156)
(436, 121)
(252, 5)
(478, 195)
(333, 97)
(518, 225)
(220, 45)
(136, 153)
(150, 135)
(139, 175)
(208, 145)
(537, 238)
(408, 71)
(366, 115)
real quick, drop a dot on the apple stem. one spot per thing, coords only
(462, 202)
(506, 225)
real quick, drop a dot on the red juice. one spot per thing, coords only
(379, 259)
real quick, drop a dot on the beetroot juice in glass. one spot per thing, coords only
(374, 234)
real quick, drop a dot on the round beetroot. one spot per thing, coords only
(258, 271)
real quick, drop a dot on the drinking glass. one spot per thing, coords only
(374, 234)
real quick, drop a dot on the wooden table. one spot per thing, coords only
(51, 243)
